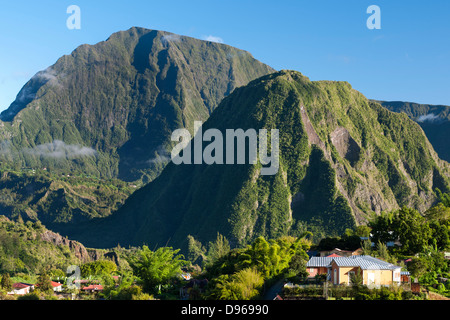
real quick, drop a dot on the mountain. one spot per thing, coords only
(30, 248)
(341, 158)
(434, 120)
(107, 110)
(52, 199)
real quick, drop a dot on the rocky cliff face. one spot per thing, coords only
(76, 247)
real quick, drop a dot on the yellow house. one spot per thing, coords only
(375, 272)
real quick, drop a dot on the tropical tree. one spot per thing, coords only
(245, 284)
(99, 267)
(412, 230)
(366, 247)
(156, 268)
(196, 251)
(418, 266)
(44, 283)
(406, 225)
(381, 227)
(6, 283)
(217, 249)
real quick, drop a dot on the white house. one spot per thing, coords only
(57, 287)
(21, 288)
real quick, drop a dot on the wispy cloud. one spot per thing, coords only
(213, 39)
(170, 38)
(28, 93)
(25, 95)
(60, 150)
(161, 156)
(430, 117)
(49, 76)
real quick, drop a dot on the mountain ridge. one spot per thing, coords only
(434, 120)
(342, 157)
(120, 99)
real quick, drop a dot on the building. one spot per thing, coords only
(57, 287)
(93, 288)
(319, 265)
(21, 288)
(339, 270)
(374, 272)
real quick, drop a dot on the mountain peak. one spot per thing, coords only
(123, 97)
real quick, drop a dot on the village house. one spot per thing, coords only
(21, 288)
(93, 288)
(57, 287)
(319, 265)
(339, 270)
(375, 272)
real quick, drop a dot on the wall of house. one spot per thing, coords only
(316, 270)
(344, 276)
(370, 277)
(341, 274)
(377, 277)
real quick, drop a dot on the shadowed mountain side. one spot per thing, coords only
(434, 120)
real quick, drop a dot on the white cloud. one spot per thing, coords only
(48, 75)
(431, 117)
(25, 95)
(170, 37)
(161, 156)
(213, 39)
(58, 149)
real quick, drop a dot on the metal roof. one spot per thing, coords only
(319, 262)
(364, 262)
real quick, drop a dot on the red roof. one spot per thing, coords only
(56, 284)
(21, 285)
(93, 287)
(334, 255)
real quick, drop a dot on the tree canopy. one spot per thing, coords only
(156, 268)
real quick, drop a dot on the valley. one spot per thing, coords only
(88, 179)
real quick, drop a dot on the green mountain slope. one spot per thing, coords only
(434, 120)
(341, 158)
(108, 109)
(53, 199)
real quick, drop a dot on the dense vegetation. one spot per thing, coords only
(243, 273)
(22, 249)
(342, 157)
(53, 199)
(434, 120)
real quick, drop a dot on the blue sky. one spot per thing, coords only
(407, 59)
